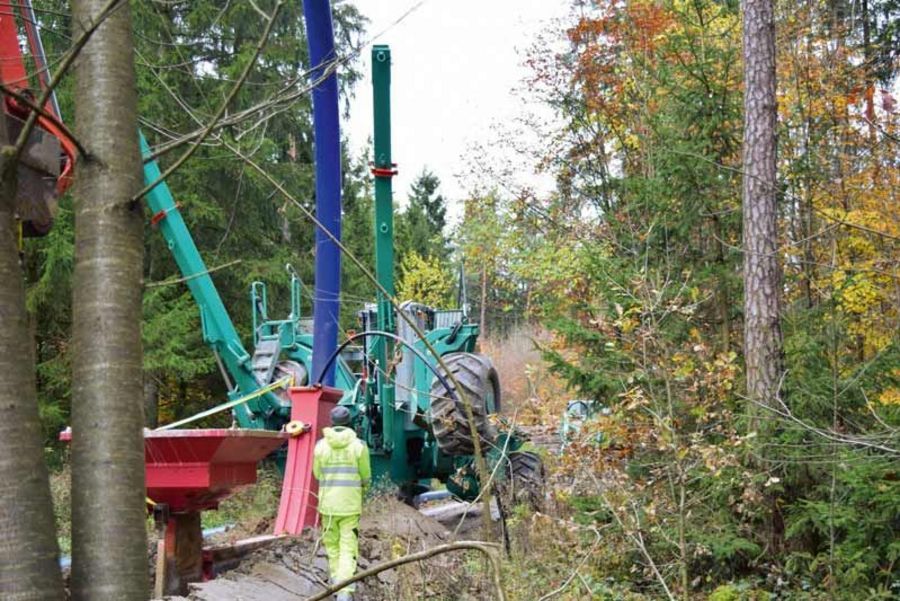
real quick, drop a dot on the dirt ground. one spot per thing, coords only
(295, 568)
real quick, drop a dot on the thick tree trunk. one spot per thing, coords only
(29, 555)
(762, 287)
(109, 539)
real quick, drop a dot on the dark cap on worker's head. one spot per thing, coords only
(340, 416)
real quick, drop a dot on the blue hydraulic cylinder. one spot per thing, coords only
(326, 311)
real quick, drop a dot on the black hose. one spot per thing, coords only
(395, 338)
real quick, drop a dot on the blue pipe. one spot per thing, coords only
(326, 311)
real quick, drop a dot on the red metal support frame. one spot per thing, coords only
(311, 406)
(189, 471)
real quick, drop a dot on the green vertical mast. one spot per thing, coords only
(383, 170)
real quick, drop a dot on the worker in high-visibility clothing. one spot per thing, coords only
(341, 465)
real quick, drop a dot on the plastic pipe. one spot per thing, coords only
(326, 311)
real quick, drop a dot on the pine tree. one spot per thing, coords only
(421, 225)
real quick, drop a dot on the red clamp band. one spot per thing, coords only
(159, 216)
(385, 172)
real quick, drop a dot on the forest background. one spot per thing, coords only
(627, 277)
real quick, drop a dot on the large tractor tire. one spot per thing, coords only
(481, 387)
(525, 479)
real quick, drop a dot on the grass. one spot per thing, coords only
(60, 490)
(251, 507)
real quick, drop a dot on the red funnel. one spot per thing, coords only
(192, 470)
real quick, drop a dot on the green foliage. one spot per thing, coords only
(60, 490)
(739, 591)
(425, 280)
(172, 336)
(634, 264)
(188, 56)
(251, 507)
(357, 234)
(420, 228)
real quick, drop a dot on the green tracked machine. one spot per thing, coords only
(400, 399)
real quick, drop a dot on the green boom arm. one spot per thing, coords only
(218, 330)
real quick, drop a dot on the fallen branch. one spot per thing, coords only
(486, 548)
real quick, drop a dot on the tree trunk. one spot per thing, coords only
(762, 289)
(483, 317)
(762, 276)
(29, 555)
(151, 400)
(109, 538)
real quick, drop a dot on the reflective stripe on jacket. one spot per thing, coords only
(341, 465)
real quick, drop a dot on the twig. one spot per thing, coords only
(171, 281)
(483, 547)
(222, 108)
(283, 98)
(856, 226)
(64, 66)
(288, 97)
(574, 573)
(830, 435)
(637, 539)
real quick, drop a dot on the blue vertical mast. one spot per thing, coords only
(326, 311)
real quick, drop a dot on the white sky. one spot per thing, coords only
(455, 65)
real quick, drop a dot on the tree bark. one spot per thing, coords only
(29, 554)
(151, 401)
(762, 277)
(482, 321)
(109, 539)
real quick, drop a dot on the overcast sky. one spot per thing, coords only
(455, 65)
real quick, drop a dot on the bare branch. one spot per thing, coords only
(222, 108)
(286, 96)
(171, 281)
(488, 549)
(574, 573)
(48, 116)
(108, 9)
(784, 412)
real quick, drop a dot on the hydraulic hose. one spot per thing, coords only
(350, 339)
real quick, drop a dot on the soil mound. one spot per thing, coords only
(294, 568)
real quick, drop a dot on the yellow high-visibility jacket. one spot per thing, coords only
(341, 465)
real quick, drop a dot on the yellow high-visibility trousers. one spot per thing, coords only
(340, 535)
